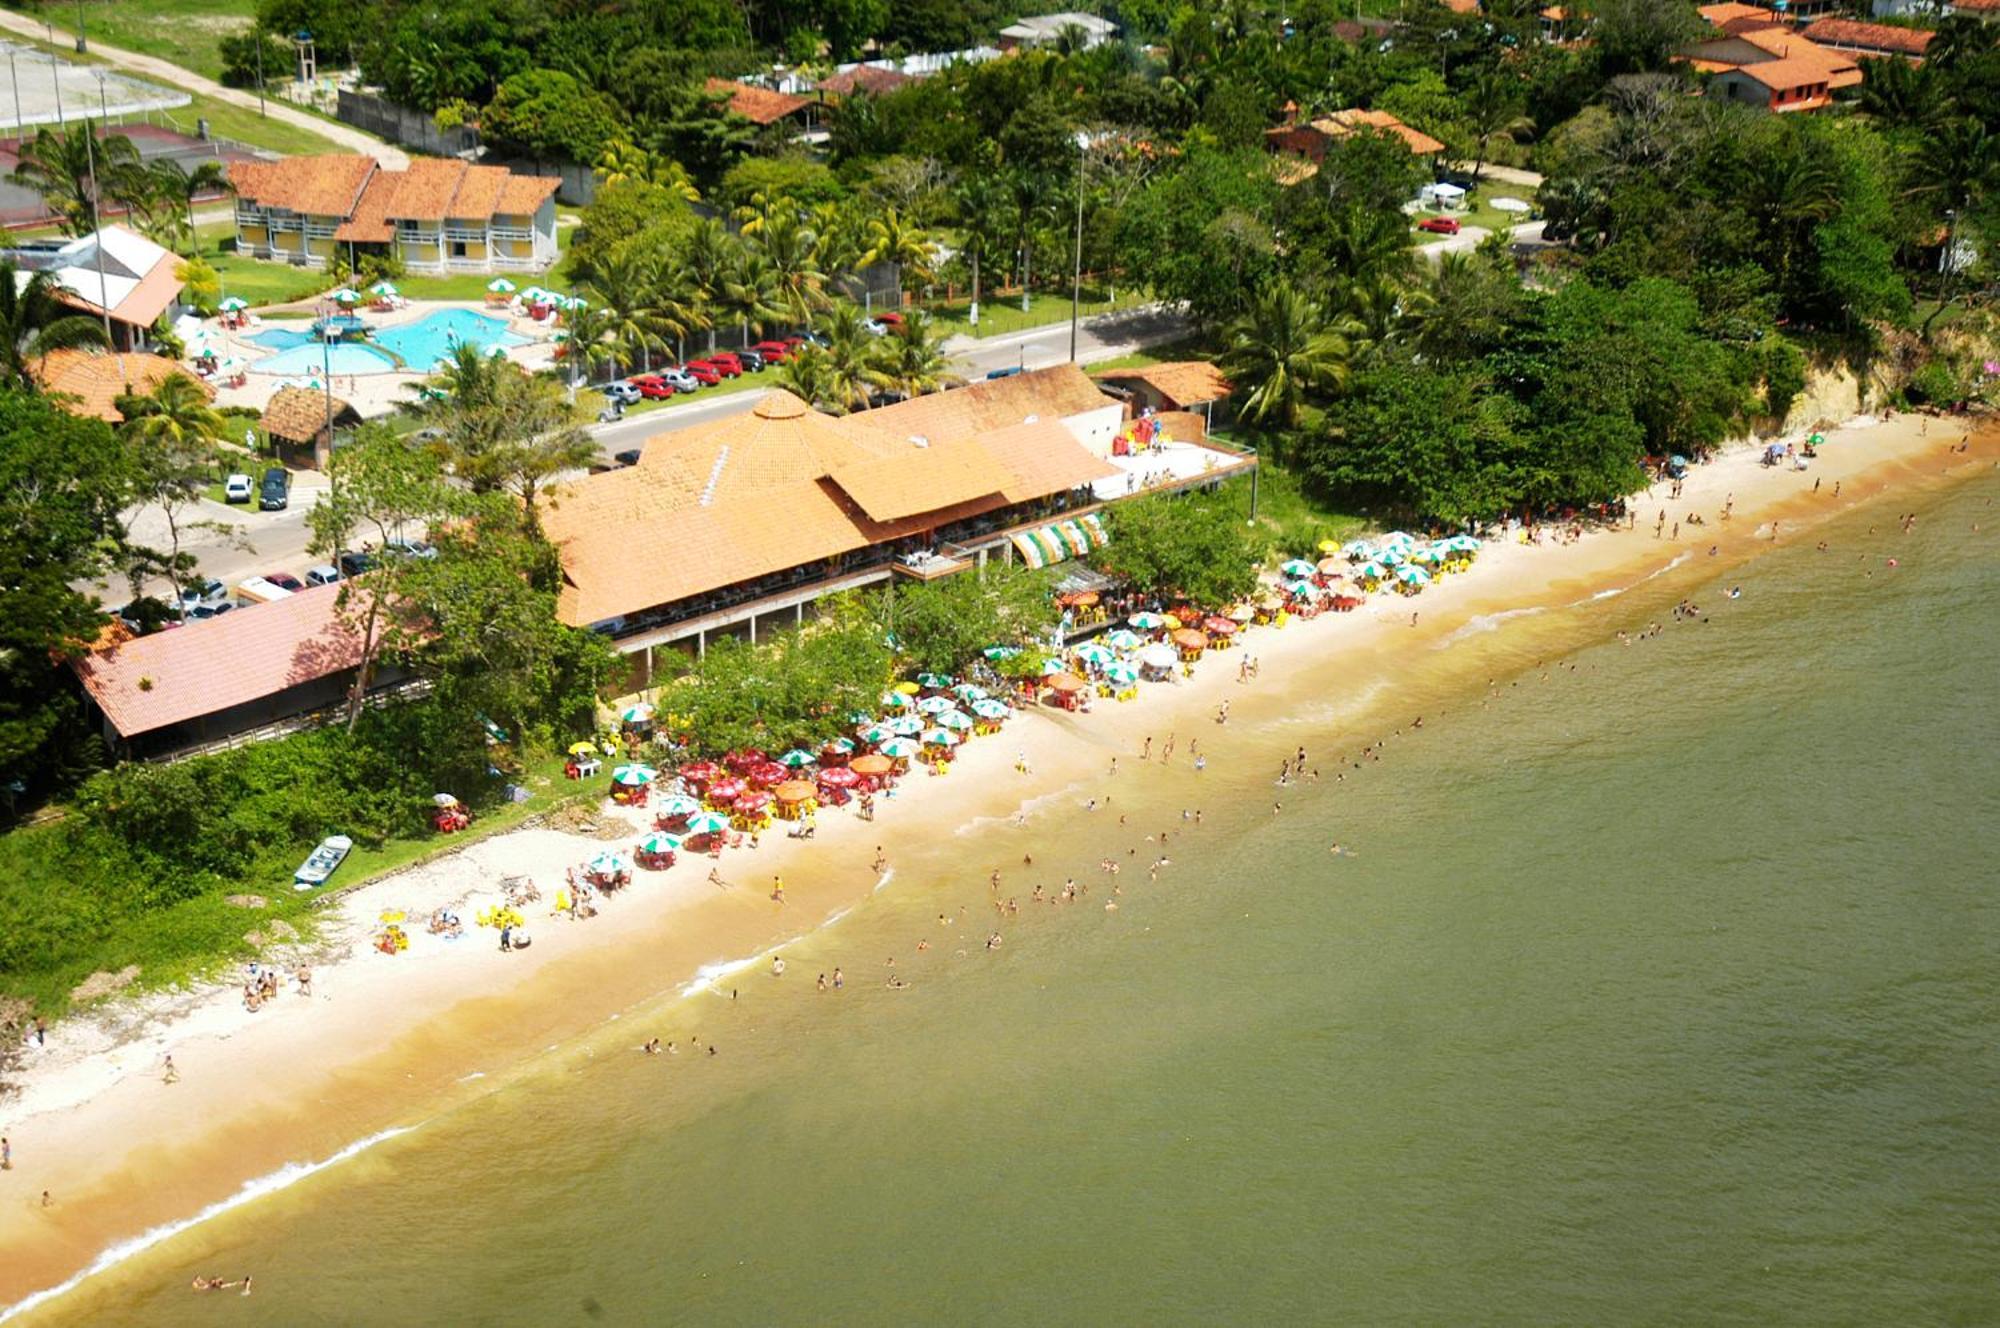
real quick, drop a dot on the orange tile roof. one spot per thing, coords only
(1342, 123)
(1723, 14)
(427, 188)
(1461, 6)
(170, 677)
(871, 79)
(989, 404)
(298, 414)
(1181, 382)
(1788, 74)
(479, 192)
(758, 105)
(785, 486)
(1838, 32)
(326, 185)
(523, 194)
(369, 222)
(97, 379)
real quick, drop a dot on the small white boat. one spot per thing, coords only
(325, 859)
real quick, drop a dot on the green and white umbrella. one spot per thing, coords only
(940, 738)
(940, 681)
(1358, 549)
(1428, 556)
(904, 726)
(659, 842)
(858, 717)
(676, 804)
(1372, 570)
(634, 776)
(877, 734)
(707, 823)
(1120, 673)
(897, 700)
(1123, 640)
(1413, 576)
(345, 295)
(796, 758)
(233, 304)
(1051, 667)
(990, 709)
(1299, 588)
(1401, 537)
(500, 286)
(1463, 544)
(936, 705)
(1001, 652)
(610, 863)
(387, 288)
(640, 712)
(842, 745)
(1297, 567)
(969, 692)
(955, 720)
(1096, 655)
(901, 749)
(1147, 622)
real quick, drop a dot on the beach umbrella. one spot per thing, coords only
(707, 823)
(1095, 655)
(796, 757)
(1414, 576)
(610, 863)
(839, 777)
(1001, 652)
(1399, 537)
(1372, 570)
(1172, 622)
(1296, 567)
(638, 713)
(936, 681)
(1123, 640)
(393, 915)
(1463, 544)
(659, 842)
(955, 720)
(445, 799)
(1428, 556)
(1358, 549)
(990, 709)
(895, 701)
(906, 688)
(676, 804)
(1067, 682)
(533, 294)
(1299, 589)
(841, 745)
(754, 801)
(1394, 554)
(940, 738)
(1187, 638)
(1219, 627)
(387, 288)
(876, 734)
(1330, 567)
(1051, 667)
(1328, 546)
(233, 304)
(634, 776)
(698, 772)
(725, 790)
(859, 717)
(345, 295)
(871, 765)
(1119, 673)
(969, 692)
(1240, 614)
(796, 790)
(500, 286)
(935, 705)
(901, 749)
(1157, 657)
(583, 749)
(904, 726)
(1148, 622)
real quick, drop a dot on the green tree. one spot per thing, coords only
(1191, 546)
(35, 320)
(912, 358)
(891, 239)
(545, 113)
(1279, 350)
(942, 626)
(72, 166)
(175, 414)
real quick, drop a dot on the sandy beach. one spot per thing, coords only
(386, 1041)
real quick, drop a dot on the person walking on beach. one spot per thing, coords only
(41, 1031)
(777, 890)
(507, 937)
(169, 1074)
(1146, 752)
(6, 1154)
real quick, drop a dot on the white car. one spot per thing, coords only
(203, 595)
(237, 488)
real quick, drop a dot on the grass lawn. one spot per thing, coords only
(1289, 515)
(1479, 211)
(187, 32)
(999, 316)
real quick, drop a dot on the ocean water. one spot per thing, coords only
(1658, 985)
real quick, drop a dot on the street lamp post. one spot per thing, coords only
(1076, 275)
(96, 218)
(55, 78)
(81, 45)
(14, 77)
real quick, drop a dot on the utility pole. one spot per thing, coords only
(14, 77)
(258, 33)
(55, 77)
(1076, 275)
(96, 216)
(82, 47)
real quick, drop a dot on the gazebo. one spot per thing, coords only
(296, 421)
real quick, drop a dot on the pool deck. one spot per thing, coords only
(372, 394)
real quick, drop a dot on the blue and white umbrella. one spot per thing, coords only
(936, 705)
(1123, 640)
(1413, 576)
(990, 709)
(905, 726)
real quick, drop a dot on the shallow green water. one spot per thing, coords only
(1663, 990)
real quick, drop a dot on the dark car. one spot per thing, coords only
(751, 359)
(203, 612)
(274, 494)
(1439, 225)
(354, 564)
(285, 581)
(629, 457)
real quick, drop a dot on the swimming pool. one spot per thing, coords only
(417, 346)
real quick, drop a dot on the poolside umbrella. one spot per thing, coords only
(990, 709)
(500, 286)
(1122, 639)
(346, 295)
(901, 749)
(877, 734)
(969, 692)
(904, 726)
(387, 288)
(955, 720)
(638, 713)
(634, 776)
(532, 295)
(895, 700)
(1157, 657)
(707, 823)
(1147, 622)
(940, 738)
(937, 681)
(660, 842)
(677, 805)
(610, 863)
(571, 301)
(1296, 567)
(233, 304)
(935, 705)
(496, 351)
(583, 749)
(1001, 652)
(1414, 576)
(1371, 570)
(1119, 673)
(1095, 655)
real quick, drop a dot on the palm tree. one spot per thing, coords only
(72, 167)
(587, 331)
(751, 292)
(34, 321)
(851, 356)
(890, 239)
(623, 161)
(625, 287)
(913, 361)
(808, 376)
(175, 415)
(1901, 94)
(788, 245)
(1957, 165)
(1364, 243)
(840, 242)
(706, 263)
(982, 218)
(1493, 106)
(184, 185)
(1280, 349)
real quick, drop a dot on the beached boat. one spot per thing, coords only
(325, 859)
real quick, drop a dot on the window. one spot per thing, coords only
(458, 248)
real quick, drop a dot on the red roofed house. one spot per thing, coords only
(763, 107)
(1311, 139)
(1871, 39)
(440, 215)
(162, 694)
(1773, 68)
(89, 382)
(110, 270)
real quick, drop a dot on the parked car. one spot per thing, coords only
(707, 375)
(197, 593)
(148, 614)
(774, 352)
(353, 564)
(624, 393)
(275, 493)
(1439, 225)
(257, 590)
(810, 338)
(716, 365)
(656, 386)
(876, 327)
(236, 489)
(750, 358)
(285, 581)
(890, 318)
(203, 612)
(629, 457)
(323, 575)
(409, 549)
(729, 362)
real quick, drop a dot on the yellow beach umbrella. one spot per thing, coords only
(583, 749)
(907, 688)
(393, 915)
(1329, 546)
(1173, 622)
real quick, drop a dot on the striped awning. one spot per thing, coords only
(1064, 540)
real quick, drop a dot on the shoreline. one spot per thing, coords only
(393, 1041)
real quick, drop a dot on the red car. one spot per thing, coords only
(774, 352)
(285, 581)
(889, 318)
(1439, 225)
(704, 373)
(651, 385)
(726, 361)
(725, 368)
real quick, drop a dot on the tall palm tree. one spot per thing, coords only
(623, 161)
(1494, 107)
(788, 245)
(176, 414)
(981, 204)
(185, 185)
(838, 233)
(808, 376)
(706, 262)
(752, 294)
(913, 361)
(70, 167)
(1280, 349)
(891, 239)
(588, 333)
(1956, 166)
(34, 321)
(1363, 243)
(1901, 94)
(851, 355)
(626, 287)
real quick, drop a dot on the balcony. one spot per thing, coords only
(466, 234)
(511, 232)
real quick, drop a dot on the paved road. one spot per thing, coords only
(173, 75)
(1527, 234)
